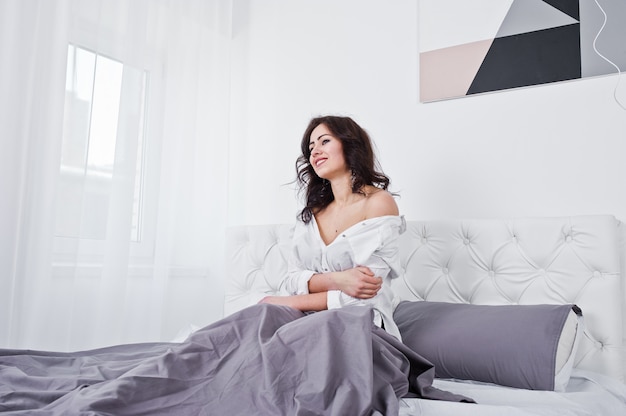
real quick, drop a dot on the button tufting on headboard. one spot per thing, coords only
(516, 261)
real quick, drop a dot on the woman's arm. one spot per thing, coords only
(358, 282)
(304, 303)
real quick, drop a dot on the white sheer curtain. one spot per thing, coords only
(114, 119)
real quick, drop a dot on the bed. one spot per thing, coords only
(497, 317)
(504, 269)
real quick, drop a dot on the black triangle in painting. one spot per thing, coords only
(569, 7)
(530, 59)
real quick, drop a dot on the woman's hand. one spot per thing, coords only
(358, 282)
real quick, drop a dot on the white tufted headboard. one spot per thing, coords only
(515, 261)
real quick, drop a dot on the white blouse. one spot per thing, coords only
(372, 243)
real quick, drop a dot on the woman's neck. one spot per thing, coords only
(342, 191)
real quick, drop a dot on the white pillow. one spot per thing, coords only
(566, 351)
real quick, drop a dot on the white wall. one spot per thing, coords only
(555, 149)
(549, 150)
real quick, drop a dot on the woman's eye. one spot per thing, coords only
(325, 141)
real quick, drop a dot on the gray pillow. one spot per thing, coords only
(509, 345)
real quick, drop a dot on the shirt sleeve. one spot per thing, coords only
(296, 282)
(378, 248)
(337, 299)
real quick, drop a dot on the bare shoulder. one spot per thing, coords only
(380, 203)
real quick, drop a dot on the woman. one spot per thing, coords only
(266, 359)
(345, 240)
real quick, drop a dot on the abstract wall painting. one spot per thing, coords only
(472, 47)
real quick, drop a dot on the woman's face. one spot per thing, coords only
(326, 157)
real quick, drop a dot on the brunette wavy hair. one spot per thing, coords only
(358, 153)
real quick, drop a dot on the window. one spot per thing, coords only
(103, 154)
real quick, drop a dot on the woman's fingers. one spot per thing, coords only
(359, 282)
(369, 287)
(365, 270)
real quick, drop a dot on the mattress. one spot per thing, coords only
(587, 394)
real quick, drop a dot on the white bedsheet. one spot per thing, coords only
(587, 394)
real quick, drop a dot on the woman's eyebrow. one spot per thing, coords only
(319, 137)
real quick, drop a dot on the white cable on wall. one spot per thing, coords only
(619, 72)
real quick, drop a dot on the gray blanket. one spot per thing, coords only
(264, 360)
